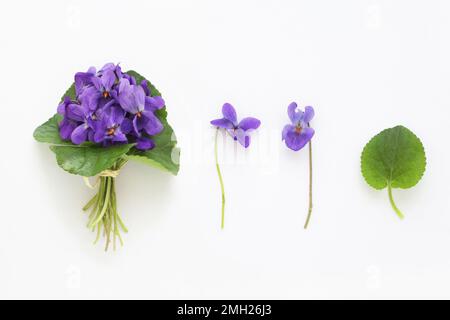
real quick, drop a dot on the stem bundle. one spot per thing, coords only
(103, 216)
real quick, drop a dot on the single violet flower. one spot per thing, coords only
(104, 83)
(239, 131)
(109, 128)
(85, 130)
(133, 100)
(296, 135)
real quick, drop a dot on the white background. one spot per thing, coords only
(364, 65)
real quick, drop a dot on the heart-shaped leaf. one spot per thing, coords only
(394, 158)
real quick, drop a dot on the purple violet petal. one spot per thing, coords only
(222, 123)
(144, 85)
(152, 125)
(126, 126)
(144, 144)
(108, 79)
(66, 128)
(229, 113)
(154, 103)
(296, 141)
(242, 137)
(80, 134)
(117, 115)
(119, 136)
(287, 128)
(249, 123)
(136, 126)
(308, 115)
(293, 113)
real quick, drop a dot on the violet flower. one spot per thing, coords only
(132, 98)
(109, 128)
(239, 131)
(84, 131)
(296, 135)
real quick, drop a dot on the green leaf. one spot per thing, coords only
(394, 158)
(88, 160)
(165, 155)
(49, 132)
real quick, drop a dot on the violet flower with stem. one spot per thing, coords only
(239, 131)
(296, 135)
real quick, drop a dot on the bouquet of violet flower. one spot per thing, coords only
(106, 118)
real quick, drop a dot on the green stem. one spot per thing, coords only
(310, 207)
(391, 199)
(105, 203)
(90, 203)
(104, 218)
(220, 180)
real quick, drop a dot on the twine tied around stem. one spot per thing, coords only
(106, 173)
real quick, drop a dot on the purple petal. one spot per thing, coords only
(108, 79)
(154, 103)
(308, 115)
(90, 97)
(83, 79)
(229, 113)
(97, 82)
(63, 105)
(139, 96)
(222, 123)
(75, 112)
(287, 128)
(144, 144)
(119, 136)
(242, 137)
(66, 128)
(99, 135)
(108, 66)
(117, 115)
(144, 85)
(80, 134)
(152, 125)
(126, 126)
(249, 123)
(127, 97)
(136, 126)
(124, 85)
(295, 141)
(293, 113)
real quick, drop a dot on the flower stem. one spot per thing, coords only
(104, 216)
(391, 199)
(220, 180)
(310, 207)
